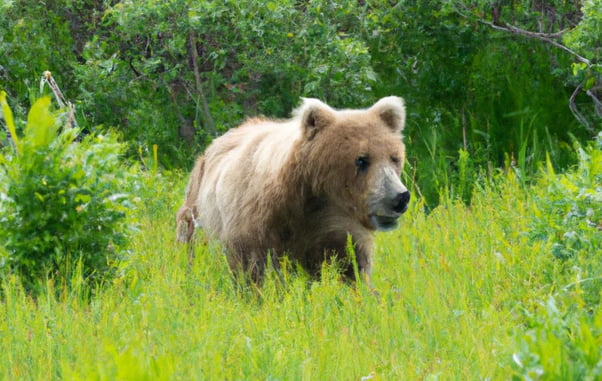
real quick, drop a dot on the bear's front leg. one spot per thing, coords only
(364, 265)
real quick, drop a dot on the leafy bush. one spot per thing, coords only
(564, 342)
(568, 205)
(258, 57)
(178, 73)
(567, 217)
(62, 199)
(563, 339)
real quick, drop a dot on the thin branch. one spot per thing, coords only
(536, 34)
(583, 120)
(58, 94)
(47, 79)
(138, 75)
(592, 93)
(550, 38)
(546, 37)
(209, 124)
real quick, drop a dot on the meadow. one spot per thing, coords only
(495, 272)
(465, 292)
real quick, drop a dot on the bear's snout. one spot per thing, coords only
(401, 201)
(388, 201)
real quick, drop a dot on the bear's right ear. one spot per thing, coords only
(392, 111)
(315, 115)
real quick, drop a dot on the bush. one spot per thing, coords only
(251, 57)
(63, 199)
(563, 339)
(564, 342)
(568, 205)
(568, 218)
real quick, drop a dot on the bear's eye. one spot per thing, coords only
(395, 159)
(362, 163)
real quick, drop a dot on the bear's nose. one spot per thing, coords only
(401, 201)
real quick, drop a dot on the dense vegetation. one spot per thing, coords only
(506, 288)
(495, 272)
(494, 82)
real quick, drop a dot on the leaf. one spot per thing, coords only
(8, 117)
(590, 83)
(40, 123)
(82, 198)
(578, 68)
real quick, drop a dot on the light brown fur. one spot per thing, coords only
(298, 187)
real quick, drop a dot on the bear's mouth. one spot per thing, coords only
(384, 223)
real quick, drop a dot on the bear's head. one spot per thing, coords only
(353, 159)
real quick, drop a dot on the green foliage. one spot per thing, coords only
(526, 115)
(466, 177)
(177, 73)
(563, 336)
(461, 287)
(252, 58)
(63, 200)
(586, 38)
(571, 31)
(563, 342)
(472, 89)
(568, 213)
(34, 37)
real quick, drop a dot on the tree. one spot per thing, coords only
(573, 27)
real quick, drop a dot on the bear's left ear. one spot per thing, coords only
(315, 115)
(392, 111)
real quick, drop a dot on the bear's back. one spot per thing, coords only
(241, 168)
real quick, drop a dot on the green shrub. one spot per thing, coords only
(63, 199)
(568, 205)
(563, 339)
(567, 217)
(564, 342)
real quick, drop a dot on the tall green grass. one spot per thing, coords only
(462, 295)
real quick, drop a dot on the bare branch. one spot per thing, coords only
(592, 93)
(58, 94)
(47, 79)
(131, 63)
(583, 120)
(550, 38)
(546, 37)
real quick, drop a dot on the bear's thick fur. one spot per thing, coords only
(300, 187)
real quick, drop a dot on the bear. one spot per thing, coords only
(300, 187)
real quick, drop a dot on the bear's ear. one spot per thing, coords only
(392, 111)
(315, 115)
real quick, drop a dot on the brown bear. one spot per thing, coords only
(300, 187)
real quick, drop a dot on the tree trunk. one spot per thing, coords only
(202, 99)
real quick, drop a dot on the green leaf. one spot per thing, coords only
(578, 68)
(39, 196)
(40, 128)
(8, 117)
(82, 198)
